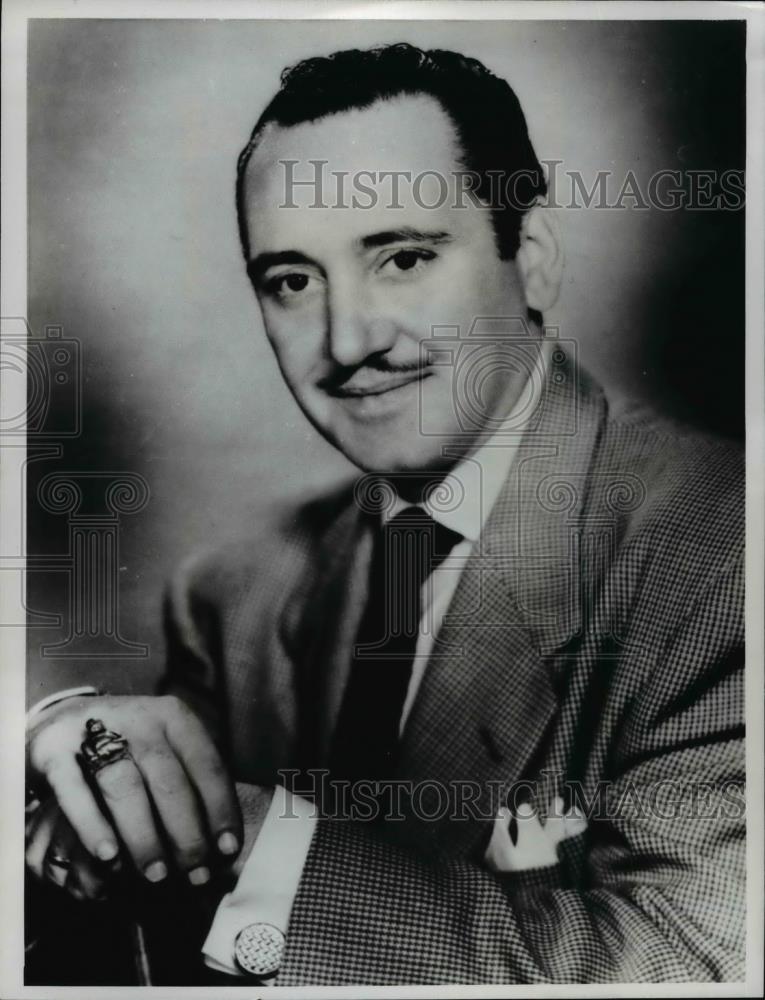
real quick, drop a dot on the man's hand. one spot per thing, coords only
(53, 853)
(172, 803)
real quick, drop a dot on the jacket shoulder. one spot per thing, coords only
(684, 490)
(283, 546)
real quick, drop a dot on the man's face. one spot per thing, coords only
(349, 294)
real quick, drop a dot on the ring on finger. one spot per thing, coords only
(102, 747)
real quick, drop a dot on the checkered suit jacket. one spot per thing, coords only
(593, 646)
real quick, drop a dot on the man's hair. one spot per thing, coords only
(487, 117)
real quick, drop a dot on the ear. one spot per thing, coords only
(540, 258)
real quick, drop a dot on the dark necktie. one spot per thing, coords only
(406, 551)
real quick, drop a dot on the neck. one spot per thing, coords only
(415, 486)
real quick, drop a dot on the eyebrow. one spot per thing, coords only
(258, 266)
(404, 235)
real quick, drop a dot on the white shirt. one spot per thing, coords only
(269, 880)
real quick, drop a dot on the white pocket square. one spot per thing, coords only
(536, 844)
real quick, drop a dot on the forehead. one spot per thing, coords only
(407, 134)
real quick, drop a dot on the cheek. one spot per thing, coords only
(297, 342)
(474, 284)
(501, 289)
(484, 284)
(443, 299)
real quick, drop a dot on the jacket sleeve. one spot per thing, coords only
(662, 896)
(193, 670)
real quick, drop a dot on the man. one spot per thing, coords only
(502, 675)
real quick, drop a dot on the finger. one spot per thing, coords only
(77, 802)
(81, 876)
(176, 803)
(86, 878)
(58, 857)
(39, 833)
(202, 762)
(125, 797)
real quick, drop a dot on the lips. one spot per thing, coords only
(379, 398)
(361, 388)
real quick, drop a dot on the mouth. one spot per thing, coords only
(377, 398)
(363, 388)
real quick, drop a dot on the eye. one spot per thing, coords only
(289, 288)
(407, 261)
(296, 282)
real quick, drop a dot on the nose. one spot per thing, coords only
(355, 329)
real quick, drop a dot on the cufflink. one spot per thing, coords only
(258, 950)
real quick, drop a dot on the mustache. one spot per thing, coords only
(341, 375)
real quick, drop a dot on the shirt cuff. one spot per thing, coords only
(267, 886)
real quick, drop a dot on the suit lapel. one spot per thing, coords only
(487, 698)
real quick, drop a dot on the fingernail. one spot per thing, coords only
(156, 871)
(198, 876)
(227, 843)
(106, 850)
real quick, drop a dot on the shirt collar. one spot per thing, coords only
(463, 500)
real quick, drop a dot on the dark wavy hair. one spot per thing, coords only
(487, 117)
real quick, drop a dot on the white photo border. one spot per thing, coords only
(15, 15)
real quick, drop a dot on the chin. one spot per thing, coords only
(395, 460)
(396, 445)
